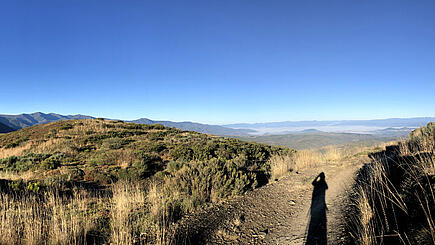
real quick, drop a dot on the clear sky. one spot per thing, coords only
(218, 61)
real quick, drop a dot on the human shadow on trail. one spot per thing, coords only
(317, 229)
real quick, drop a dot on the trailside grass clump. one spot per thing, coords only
(394, 199)
(281, 164)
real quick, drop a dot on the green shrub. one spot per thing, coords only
(174, 166)
(34, 186)
(115, 143)
(182, 152)
(145, 161)
(16, 185)
(26, 162)
(66, 127)
(15, 143)
(52, 162)
(153, 146)
(132, 126)
(99, 177)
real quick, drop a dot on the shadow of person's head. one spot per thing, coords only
(322, 176)
(319, 179)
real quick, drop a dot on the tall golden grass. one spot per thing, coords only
(311, 158)
(27, 218)
(55, 220)
(378, 198)
(15, 151)
(128, 198)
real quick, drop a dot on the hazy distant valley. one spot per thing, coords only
(297, 134)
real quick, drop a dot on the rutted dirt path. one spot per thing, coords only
(278, 213)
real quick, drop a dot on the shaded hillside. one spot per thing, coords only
(26, 120)
(5, 129)
(198, 127)
(316, 139)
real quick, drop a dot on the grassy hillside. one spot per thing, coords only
(317, 139)
(16, 122)
(105, 151)
(148, 176)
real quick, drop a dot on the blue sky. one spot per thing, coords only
(218, 61)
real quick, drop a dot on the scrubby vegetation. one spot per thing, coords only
(394, 195)
(117, 182)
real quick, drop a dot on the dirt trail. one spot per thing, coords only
(278, 213)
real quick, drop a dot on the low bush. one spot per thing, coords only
(51, 162)
(23, 163)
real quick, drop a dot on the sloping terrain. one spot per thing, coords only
(198, 127)
(125, 183)
(5, 129)
(26, 120)
(103, 150)
(16, 122)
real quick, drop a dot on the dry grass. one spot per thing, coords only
(367, 229)
(311, 158)
(127, 199)
(15, 151)
(376, 189)
(54, 220)
(158, 212)
(280, 165)
(379, 201)
(7, 175)
(122, 157)
(303, 159)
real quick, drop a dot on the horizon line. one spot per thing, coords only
(223, 124)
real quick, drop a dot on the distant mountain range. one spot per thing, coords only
(198, 127)
(392, 125)
(390, 122)
(15, 122)
(385, 127)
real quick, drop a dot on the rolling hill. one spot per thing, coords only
(104, 150)
(5, 129)
(82, 161)
(198, 127)
(16, 122)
